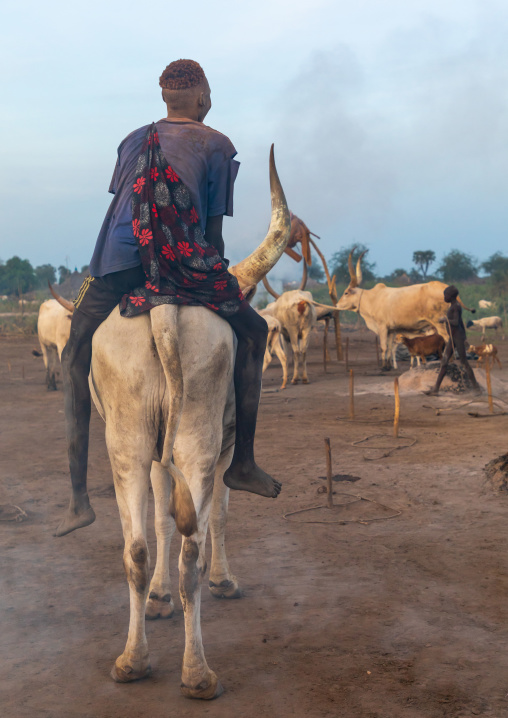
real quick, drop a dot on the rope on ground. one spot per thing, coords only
(357, 498)
(476, 400)
(387, 450)
(11, 512)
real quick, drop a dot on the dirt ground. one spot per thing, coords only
(402, 617)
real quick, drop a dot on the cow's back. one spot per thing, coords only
(410, 307)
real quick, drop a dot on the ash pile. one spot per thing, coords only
(423, 378)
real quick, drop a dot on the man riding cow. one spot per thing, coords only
(161, 242)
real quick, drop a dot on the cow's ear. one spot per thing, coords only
(249, 292)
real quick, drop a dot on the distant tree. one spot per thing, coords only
(339, 264)
(45, 273)
(457, 266)
(63, 273)
(399, 277)
(316, 269)
(85, 268)
(423, 259)
(16, 275)
(496, 267)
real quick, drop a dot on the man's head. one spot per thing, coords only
(450, 293)
(185, 90)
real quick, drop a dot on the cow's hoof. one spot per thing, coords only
(305, 381)
(159, 607)
(226, 588)
(206, 690)
(294, 381)
(126, 671)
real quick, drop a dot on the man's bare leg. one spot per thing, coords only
(244, 474)
(76, 358)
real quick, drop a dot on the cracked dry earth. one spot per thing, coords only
(399, 618)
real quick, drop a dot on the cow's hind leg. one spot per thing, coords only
(222, 583)
(159, 603)
(131, 486)
(198, 680)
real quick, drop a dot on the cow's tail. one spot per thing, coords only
(164, 321)
(303, 309)
(473, 311)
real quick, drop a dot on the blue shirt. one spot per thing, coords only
(203, 159)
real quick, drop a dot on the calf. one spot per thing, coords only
(421, 347)
(485, 351)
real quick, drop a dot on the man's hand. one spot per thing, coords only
(213, 234)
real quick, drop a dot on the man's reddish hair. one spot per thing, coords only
(181, 75)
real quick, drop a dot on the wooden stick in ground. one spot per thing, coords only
(397, 409)
(329, 499)
(325, 344)
(338, 340)
(351, 394)
(489, 384)
(347, 354)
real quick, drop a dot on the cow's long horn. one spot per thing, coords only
(257, 265)
(303, 283)
(352, 272)
(64, 302)
(359, 275)
(269, 289)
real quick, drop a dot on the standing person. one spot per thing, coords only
(161, 242)
(457, 340)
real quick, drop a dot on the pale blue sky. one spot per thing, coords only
(390, 119)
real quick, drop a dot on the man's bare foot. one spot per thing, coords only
(249, 477)
(77, 516)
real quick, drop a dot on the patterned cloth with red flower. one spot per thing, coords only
(180, 267)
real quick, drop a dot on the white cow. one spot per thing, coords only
(484, 304)
(486, 323)
(295, 310)
(275, 345)
(163, 383)
(53, 328)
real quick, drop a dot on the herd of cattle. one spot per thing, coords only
(182, 441)
(403, 315)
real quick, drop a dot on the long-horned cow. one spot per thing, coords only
(163, 382)
(53, 328)
(388, 311)
(296, 312)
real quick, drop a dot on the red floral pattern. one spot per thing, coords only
(184, 248)
(144, 237)
(138, 184)
(137, 301)
(167, 252)
(154, 173)
(193, 215)
(171, 175)
(135, 227)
